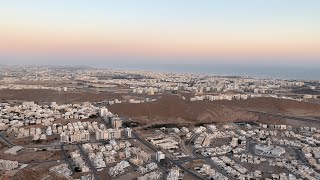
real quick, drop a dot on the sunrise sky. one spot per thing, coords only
(160, 31)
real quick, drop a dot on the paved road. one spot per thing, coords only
(177, 163)
(66, 158)
(301, 156)
(153, 148)
(185, 149)
(211, 163)
(5, 140)
(88, 161)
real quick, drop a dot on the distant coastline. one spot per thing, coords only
(281, 72)
(299, 73)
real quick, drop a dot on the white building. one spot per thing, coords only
(160, 155)
(103, 111)
(6, 165)
(116, 122)
(128, 132)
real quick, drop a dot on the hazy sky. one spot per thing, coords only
(160, 31)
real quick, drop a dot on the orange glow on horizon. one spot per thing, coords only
(39, 40)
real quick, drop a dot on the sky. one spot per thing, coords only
(260, 32)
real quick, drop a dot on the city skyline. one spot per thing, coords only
(207, 32)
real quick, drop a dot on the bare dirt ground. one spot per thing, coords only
(45, 83)
(171, 109)
(32, 157)
(42, 95)
(273, 105)
(28, 142)
(37, 172)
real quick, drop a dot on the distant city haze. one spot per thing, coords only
(303, 73)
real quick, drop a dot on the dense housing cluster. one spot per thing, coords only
(74, 139)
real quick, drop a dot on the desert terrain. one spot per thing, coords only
(172, 109)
